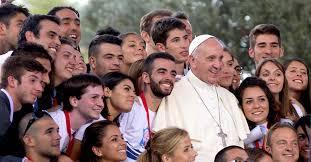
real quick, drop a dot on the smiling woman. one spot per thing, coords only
(227, 71)
(169, 145)
(119, 94)
(273, 73)
(303, 127)
(103, 141)
(133, 49)
(258, 106)
(297, 75)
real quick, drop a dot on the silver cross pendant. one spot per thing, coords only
(223, 136)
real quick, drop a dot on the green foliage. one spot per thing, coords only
(229, 20)
(40, 6)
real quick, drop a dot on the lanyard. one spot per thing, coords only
(28, 158)
(68, 126)
(260, 143)
(257, 144)
(142, 96)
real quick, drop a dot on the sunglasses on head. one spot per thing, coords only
(35, 116)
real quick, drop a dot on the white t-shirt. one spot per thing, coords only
(134, 127)
(60, 119)
(80, 132)
(298, 110)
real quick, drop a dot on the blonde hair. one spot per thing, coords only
(163, 142)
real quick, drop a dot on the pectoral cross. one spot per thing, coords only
(223, 136)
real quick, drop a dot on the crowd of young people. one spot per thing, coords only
(155, 96)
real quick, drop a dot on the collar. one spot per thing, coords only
(199, 83)
(4, 56)
(11, 103)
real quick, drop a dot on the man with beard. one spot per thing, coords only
(158, 76)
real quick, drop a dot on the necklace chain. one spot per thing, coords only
(218, 123)
(221, 133)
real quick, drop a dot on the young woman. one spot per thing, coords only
(119, 94)
(258, 106)
(226, 77)
(80, 66)
(297, 76)
(303, 127)
(273, 73)
(236, 75)
(169, 145)
(133, 48)
(103, 142)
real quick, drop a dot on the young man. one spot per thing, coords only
(43, 30)
(38, 53)
(146, 23)
(185, 19)
(170, 35)
(39, 135)
(21, 83)
(158, 77)
(69, 22)
(11, 20)
(105, 54)
(265, 42)
(64, 66)
(82, 103)
(282, 143)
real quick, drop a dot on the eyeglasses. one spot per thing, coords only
(35, 116)
(238, 69)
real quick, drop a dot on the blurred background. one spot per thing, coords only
(229, 20)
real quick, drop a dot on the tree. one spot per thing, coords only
(229, 20)
(41, 6)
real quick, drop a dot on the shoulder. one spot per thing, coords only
(226, 93)
(5, 105)
(57, 115)
(4, 97)
(137, 108)
(80, 133)
(10, 158)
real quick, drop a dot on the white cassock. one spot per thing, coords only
(184, 109)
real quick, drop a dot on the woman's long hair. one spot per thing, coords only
(273, 116)
(163, 142)
(283, 105)
(111, 80)
(305, 97)
(93, 137)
